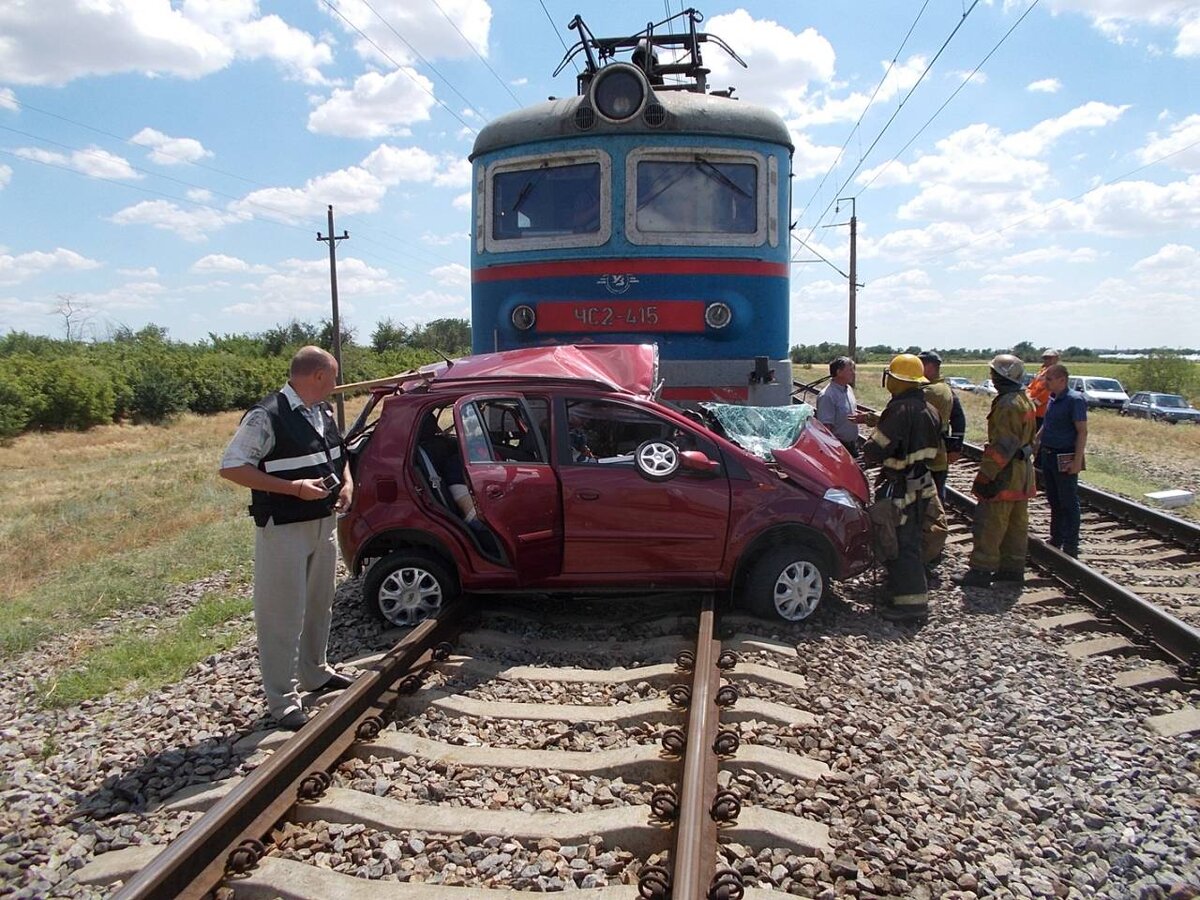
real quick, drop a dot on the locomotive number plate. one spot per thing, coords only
(664, 315)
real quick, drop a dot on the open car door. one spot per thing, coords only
(508, 471)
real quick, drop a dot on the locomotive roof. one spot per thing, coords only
(687, 112)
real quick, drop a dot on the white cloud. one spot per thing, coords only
(1179, 148)
(8, 100)
(92, 161)
(444, 240)
(422, 26)
(391, 165)
(462, 202)
(300, 287)
(5, 175)
(826, 110)
(452, 275)
(1169, 258)
(1128, 208)
(378, 105)
(1117, 18)
(198, 195)
(782, 64)
(170, 151)
(189, 224)
(219, 262)
(147, 272)
(22, 266)
(1038, 139)
(351, 190)
(52, 42)
(1051, 255)
(1044, 86)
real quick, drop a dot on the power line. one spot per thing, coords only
(814, 252)
(554, 28)
(401, 242)
(482, 59)
(882, 131)
(404, 69)
(863, 114)
(1046, 209)
(964, 83)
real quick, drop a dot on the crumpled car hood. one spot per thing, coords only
(792, 437)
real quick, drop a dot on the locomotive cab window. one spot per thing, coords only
(548, 202)
(697, 196)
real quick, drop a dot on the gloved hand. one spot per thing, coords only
(984, 489)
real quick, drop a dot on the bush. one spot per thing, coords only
(14, 407)
(66, 393)
(161, 391)
(1164, 372)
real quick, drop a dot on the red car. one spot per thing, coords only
(552, 470)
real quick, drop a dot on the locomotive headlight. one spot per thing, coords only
(718, 315)
(523, 317)
(619, 93)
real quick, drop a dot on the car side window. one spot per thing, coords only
(502, 430)
(609, 433)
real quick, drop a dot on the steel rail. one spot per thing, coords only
(195, 863)
(694, 858)
(1162, 524)
(1148, 622)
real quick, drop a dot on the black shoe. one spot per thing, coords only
(335, 682)
(1010, 575)
(293, 721)
(904, 613)
(933, 575)
(976, 578)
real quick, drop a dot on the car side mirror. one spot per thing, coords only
(697, 461)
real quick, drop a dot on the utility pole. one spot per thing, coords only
(337, 325)
(852, 341)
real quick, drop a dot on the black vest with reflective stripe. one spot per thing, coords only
(299, 452)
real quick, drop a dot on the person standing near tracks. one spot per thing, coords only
(1038, 389)
(837, 407)
(939, 395)
(903, 444)
(1005, 481)
(289, 453)
(1061, 441)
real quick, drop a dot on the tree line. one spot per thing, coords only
(144, 376)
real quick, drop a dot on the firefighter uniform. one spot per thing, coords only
(934, 534)
(904, 443)
(1005, 482)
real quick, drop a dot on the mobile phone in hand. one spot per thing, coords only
(331, 482)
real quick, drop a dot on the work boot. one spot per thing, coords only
(1009, 575)
(904, 613)
(976, 578)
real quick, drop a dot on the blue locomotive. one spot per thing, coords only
(646, 209)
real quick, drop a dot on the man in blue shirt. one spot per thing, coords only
(837, 407)
(1062, 440)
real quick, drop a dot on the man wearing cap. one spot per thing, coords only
(1038, 390)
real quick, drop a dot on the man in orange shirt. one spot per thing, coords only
(1038, 390)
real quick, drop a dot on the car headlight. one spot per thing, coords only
(842, 497)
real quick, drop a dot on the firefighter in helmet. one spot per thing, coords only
(903, 444)
(1005, 482)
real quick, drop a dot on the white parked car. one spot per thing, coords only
(1100, 393)
(986, 388)
(959, 383)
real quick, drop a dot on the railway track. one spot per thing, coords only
(536, 768)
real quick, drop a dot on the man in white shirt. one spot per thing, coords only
(837, 407)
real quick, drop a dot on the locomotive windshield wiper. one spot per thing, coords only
(524, 193)
(717, 175)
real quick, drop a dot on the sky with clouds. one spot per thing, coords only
(1020, 170)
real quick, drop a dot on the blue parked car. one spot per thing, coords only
(1160, 407)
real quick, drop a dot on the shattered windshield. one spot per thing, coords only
(761, 429)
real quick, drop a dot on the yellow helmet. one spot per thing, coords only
(907, 367)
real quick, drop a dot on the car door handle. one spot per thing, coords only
(494, 492)
(588, 495)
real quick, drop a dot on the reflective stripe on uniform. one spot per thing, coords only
(910, 600)
(300, 462)
(914, 457)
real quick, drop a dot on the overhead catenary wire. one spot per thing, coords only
(352, 217)
(405, 69)
(482, 59)
(956, 92)
(892, 118)
(891, 65)
(554, 28)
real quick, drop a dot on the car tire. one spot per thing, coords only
(407, 587)
(786, 582)
(656, 460)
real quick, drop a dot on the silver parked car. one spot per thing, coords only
(959, 383)
(1160, 407)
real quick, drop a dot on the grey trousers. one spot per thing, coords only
(294, 567)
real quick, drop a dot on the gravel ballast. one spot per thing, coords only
(968, 758)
